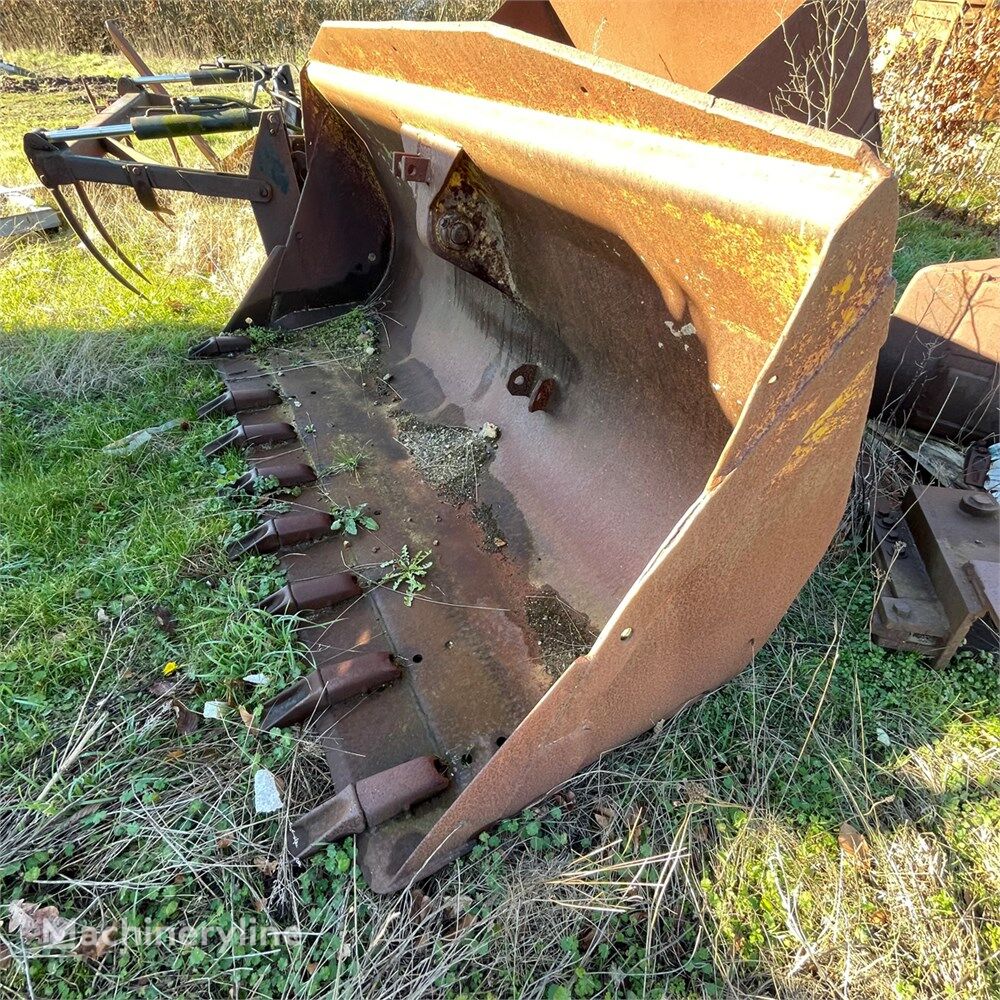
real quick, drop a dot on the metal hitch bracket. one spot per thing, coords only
(939, 555)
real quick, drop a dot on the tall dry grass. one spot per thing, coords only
(251, 29)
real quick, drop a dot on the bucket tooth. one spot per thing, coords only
(312, 595)
(243, 436)
(336, 818)
(217, 347)
(400, 788)
(329, 684)
(286, 474)
(281, 532)
(369, 803)
(240, 399)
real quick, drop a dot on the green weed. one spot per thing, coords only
(349, 519)
(408, 572)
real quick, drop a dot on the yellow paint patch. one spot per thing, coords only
(775, 268)
(843, 287)
(840, 414)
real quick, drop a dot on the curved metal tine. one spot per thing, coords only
(88, 207)
(174, 150)
(74, 224)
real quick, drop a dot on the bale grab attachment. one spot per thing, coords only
(102, 151)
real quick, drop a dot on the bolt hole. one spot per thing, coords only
(467, 757)
(417, 657)
(501, 740)
(583, 89)
(312, 392)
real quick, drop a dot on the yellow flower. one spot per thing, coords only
(169, 668)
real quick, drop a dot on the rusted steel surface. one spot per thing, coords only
(940, 368)
(704, 287)
(803, 59)
(940, 556)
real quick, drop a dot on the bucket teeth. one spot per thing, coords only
(286, 474)
(217, 347)
(281, 531)
(240, 399)
(312, 595)
(367, 804)
(336, 818)
(400, 788)
(329, 684)
(244, 436)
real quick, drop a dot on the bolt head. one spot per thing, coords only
(979, 503)
(455, 232)
(902, 609)
(460, 234)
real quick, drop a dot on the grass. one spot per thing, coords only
(707, 858)
(925, 238)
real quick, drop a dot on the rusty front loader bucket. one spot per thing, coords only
(630, 337)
